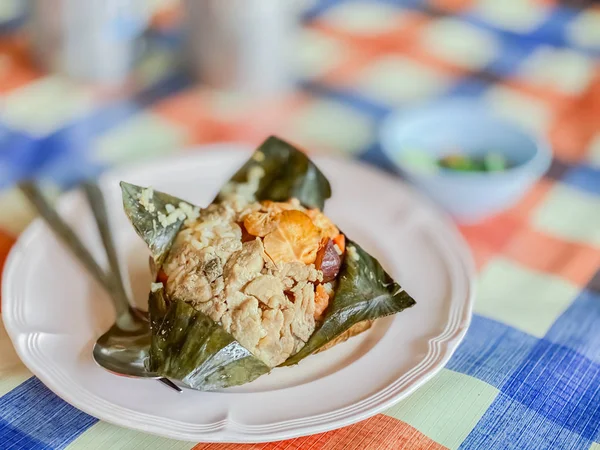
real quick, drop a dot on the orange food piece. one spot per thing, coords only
(259, 223)
(162, 277)
(272, 207)
(321, 301)
(245, 235)
(340, 241)
(326, 226)
(295, 238)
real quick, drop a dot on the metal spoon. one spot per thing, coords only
(124, 348)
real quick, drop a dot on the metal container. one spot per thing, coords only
(242, 45)
(91, 40)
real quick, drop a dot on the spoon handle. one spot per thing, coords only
(97, 204)
(64, 233)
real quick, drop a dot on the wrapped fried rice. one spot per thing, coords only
(257, 279)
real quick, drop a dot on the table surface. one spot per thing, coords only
(528, 372)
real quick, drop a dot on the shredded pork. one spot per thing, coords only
(268, 307)
(266, 301)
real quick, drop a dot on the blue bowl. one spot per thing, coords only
(468, 127)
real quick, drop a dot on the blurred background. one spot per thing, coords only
(85, 86)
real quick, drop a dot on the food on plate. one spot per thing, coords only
(260, 278)
(259, 284)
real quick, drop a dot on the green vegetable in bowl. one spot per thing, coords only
(425, 163)
(490, 162)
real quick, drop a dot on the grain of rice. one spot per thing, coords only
(145, 198)
(353, 253)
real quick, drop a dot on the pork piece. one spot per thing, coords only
(268, 290)
(243, 266)
(187, 279)
(245, 320)
(304, 303)
(295, 272)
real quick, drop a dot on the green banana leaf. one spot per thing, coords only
(188, 346)
(147, 224)
(191, 347)
(288, 173)
(365, 291)
(158, 306)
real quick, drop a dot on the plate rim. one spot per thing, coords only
(440, 348)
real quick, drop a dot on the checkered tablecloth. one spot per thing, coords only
(527, 375)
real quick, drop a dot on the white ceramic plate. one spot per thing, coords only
(54, 312)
